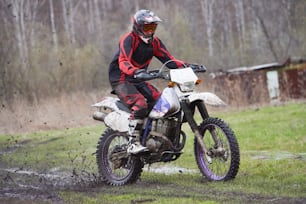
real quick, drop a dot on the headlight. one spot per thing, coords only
(187, 86)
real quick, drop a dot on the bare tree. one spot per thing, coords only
(207, 10)
(70, 9)
(18, 14)
(240, 24)
(53, 28)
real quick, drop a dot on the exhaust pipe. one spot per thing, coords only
(99, 116)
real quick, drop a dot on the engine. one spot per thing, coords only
(166, 127)
(162, 134)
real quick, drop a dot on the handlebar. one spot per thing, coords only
(161, 74)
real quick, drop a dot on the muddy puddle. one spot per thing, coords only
(168, 169)
(268, 155)
(31, 185)
(44, 186)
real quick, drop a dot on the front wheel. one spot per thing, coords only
(116, 167)
(223, 158)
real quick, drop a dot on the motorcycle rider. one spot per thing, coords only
(136, 50)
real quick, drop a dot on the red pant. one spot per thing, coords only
(139, 97)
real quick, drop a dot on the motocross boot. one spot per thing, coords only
(134, 146)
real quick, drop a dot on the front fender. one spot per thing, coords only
(208, 98)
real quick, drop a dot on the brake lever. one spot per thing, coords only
(202, 68)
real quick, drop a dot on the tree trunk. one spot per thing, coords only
(240, 24)
(53, 28)
(207, 11)
(17, 11)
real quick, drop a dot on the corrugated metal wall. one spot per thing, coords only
(293, 83)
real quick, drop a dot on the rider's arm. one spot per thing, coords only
(161, 52)
(125, 55)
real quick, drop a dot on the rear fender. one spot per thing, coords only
(118, 120)
(109, 113)
(107, 103)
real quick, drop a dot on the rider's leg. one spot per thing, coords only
(149, 94)
(132, 98)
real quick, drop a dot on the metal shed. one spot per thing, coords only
(262, 83)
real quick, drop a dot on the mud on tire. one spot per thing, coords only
(113, 169)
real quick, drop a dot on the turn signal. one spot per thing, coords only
(198, 81)
(171, 84)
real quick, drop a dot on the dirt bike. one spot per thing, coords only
(215, 145)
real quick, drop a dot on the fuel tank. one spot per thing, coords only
(168, 104)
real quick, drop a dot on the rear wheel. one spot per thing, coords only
(223, 159)
(116, 167)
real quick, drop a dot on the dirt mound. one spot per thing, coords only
(70, 110)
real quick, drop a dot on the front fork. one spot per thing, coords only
(203, 111)
(194, 126)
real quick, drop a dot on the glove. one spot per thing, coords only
(193, 66)
(142, 74)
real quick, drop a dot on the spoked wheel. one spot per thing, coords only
(116, 167)
(223, 159)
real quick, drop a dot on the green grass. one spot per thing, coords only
(278, 128)
(273, 162)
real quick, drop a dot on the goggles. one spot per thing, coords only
(151, 27)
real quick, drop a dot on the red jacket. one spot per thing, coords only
(134, 54)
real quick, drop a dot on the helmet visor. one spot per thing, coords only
(149, 28)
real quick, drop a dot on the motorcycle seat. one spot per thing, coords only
(122, 107)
